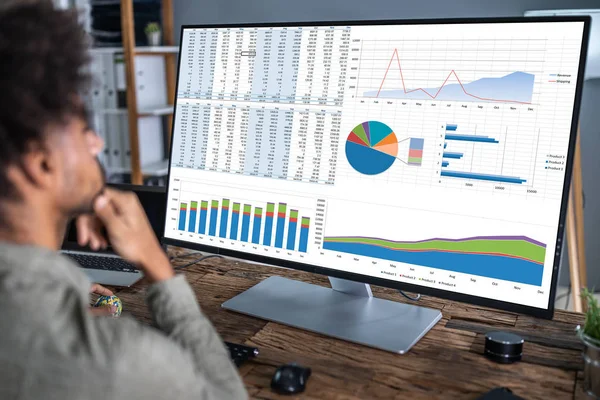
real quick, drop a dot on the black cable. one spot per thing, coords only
(196, 261)
(193, 253)
(415, 298)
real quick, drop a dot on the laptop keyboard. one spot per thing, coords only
(104, 263)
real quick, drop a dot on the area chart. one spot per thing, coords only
(516, 87)
(511, 258)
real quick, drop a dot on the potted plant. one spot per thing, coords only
(153, 33)
(590, 336)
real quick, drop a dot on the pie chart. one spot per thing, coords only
(371, 148)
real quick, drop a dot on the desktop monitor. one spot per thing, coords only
(432, 156)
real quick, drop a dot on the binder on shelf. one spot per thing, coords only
(150, 81)
(114, 140)
(120, 80)
(150, 140)
(113, 125)
(94, 100)
(125, 144)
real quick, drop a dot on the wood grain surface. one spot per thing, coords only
(447, 363)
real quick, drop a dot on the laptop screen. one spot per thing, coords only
(152, 199)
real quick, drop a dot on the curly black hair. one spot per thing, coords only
(43, 55)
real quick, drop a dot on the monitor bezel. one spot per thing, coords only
(546, 313)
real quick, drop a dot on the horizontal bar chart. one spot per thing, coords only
(471, 138)
(482, 177)
(453, 155)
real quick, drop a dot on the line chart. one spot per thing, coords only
(515, 87)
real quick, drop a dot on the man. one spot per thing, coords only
(51, 345)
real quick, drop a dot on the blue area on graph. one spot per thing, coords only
(235, 220)
(291, 239)
(279, 232)
(245, 227)
(182, 215)
(367, 160)
(192, 222)
(268, 231)
(302, 246)
(496, 267)
(202, 225)
(515, 87)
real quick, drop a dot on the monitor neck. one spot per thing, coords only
(351, 287)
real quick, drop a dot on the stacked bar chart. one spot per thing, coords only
(235, 221)
(280, 225)
(269, 224)
(454, 136)
(292, 228)
(249, 222)
(415, 151)
(304, 234)
(182, 215)
(203, 217)
(224, 218)
(193, 211)
(214, 209)
(257, 224)
(246, 222)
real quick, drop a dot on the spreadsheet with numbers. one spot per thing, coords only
(430, 154)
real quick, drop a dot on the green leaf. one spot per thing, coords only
(592, 315)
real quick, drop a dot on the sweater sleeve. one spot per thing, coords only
(184, 358)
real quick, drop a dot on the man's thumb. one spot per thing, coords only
(104, 209)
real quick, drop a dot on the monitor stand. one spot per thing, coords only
(346, 311)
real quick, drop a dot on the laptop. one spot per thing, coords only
(105, 266)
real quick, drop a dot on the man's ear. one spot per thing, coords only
(39, 166)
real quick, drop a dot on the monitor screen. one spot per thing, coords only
(431, 156)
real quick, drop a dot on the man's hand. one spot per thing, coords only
(102, 311)
(89, 232)
(128, 230)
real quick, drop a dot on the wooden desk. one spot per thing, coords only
(447, 363)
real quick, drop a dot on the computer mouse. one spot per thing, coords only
(290, 379)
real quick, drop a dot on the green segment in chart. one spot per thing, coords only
(362, 135)
(511, 246)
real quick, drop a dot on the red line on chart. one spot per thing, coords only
(452, 72)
